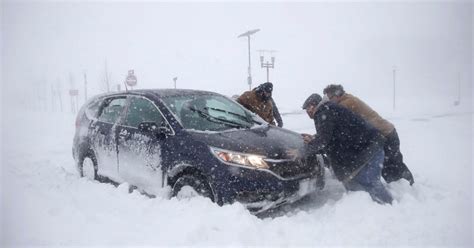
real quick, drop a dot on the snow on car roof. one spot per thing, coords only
(158, 92)
(179, 92)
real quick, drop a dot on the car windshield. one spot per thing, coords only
(207, 112)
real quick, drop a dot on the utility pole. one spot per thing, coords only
(58, 91)
(38, 95)
(107, 77)
(52, 98)
(459, 88)
(73, 93)
(85, 87)
(394, 88)
(458, 101)
(42, 94)
(267, 64)
(248, 34)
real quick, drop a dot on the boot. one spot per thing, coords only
(408, 176)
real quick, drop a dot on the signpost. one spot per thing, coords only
(131, 79)
(175, 79)
(74, 93)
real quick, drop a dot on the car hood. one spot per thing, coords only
(270, 141)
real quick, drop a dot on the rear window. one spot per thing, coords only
(112, 110)
(92, 109)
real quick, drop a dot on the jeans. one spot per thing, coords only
(368, 179)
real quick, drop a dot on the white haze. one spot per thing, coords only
(44, 44)
(354, 44)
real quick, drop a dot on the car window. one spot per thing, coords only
(112, 110)
(220, 107)
(208, 112)
(142, 110)
(92, 109)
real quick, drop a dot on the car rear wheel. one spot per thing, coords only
(88, 168)
(188, 186)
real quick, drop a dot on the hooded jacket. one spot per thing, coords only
(348, 140)
(359, 107)
(252, 102)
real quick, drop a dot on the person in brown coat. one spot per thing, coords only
(259, 101)
(393, 167)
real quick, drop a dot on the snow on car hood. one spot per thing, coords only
(268, 140)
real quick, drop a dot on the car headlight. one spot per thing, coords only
(248, 160)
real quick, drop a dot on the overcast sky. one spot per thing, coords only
(354, 44)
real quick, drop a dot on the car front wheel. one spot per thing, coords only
(188, 186)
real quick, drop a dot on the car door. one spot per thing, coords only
(104, 136)
(140, 152)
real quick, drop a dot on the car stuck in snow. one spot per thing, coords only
(187, 138)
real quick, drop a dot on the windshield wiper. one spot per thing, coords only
(246, 118)
(217, 119)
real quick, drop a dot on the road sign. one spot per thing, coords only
(131, 79)
(73, 92)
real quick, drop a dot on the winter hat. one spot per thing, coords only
(323, 101)
(313, 99)
(265, 87)
(334, 90)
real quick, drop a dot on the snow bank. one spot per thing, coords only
(45, 202)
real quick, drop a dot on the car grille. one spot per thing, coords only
(290, 168)
(258, 195)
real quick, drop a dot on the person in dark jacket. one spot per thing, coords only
(394, 168)
(353, 146)
(259, 101)
(276, 114)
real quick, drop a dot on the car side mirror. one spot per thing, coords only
(153, 128)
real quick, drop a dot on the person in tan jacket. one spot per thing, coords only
(393, 167)
(259, 101)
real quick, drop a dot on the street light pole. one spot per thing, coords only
(249, 80)
(248, 34)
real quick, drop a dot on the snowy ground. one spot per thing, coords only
(45, 202)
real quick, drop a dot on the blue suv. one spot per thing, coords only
(157, 138)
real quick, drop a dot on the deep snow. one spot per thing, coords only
(45, 202)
